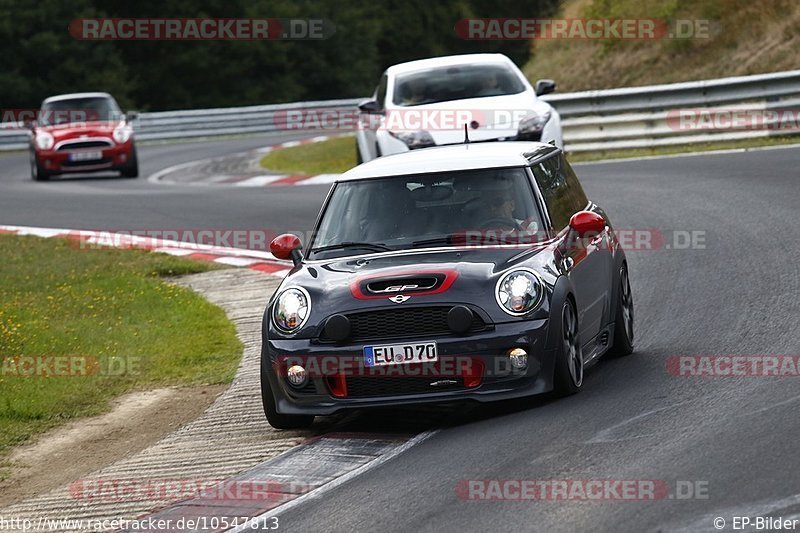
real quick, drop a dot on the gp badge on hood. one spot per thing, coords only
(399, 288)
(397, 284)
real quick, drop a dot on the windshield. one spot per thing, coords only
(455, 83)
(90, 109)
(445, 209)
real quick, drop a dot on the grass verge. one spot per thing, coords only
(328, 157)
(78, 327)
(333, 156)
(726, 38)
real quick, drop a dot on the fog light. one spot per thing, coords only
(297, 375)
(518, 357)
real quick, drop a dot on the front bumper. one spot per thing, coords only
(113, 158)
(486, 349)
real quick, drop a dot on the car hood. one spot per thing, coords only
(90, 129)
(466, 276)
(497, 117)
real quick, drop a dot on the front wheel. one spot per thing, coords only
(131, 168)
(37, 172)
(568, 377)
(623, 322)
(276, 419)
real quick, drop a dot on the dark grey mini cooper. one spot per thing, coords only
(469, 272)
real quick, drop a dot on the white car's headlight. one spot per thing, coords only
(533, 123)
(414, 139)
(519, 292)
(44, 140)
(292, 309)
(122, 134)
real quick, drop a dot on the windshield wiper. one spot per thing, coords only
(374, 246)
(447, 239)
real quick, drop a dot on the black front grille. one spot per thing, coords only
(406, 322)
(84, 144)
(91, 163)
(365, 386)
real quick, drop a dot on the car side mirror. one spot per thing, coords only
(587, 224)
(545, 87)
(287, 246)
(130, 116)
(371, 107)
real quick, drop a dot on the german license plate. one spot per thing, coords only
(400, 354)
(85, 156)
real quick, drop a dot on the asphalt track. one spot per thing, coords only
(739, 295)
(110, 202)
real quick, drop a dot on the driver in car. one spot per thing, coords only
(414, 92)
(490, 85)
(502, 205)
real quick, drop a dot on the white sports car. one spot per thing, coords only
(435, 102)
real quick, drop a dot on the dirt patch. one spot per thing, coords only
(136, 421)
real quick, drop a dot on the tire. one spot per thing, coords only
(568, 377)
(623, 321)
(131, 168)
(37, 172)
(276, 419)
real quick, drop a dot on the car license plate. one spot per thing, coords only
(85, 156)
(399, 354)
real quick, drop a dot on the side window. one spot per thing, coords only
(380, 92)
(560, 188)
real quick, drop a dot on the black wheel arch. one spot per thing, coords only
(563, 290)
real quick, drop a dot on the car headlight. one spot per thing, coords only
(291, 310)
(533, 123)
(44, 140)
(122, 134)
(519, 292)
(414, 139)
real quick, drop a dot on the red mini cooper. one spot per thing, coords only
(82, 132)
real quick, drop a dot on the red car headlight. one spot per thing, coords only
(44, 140)
(122, 134)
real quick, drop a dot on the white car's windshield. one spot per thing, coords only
(455, 83)
(425, 210)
